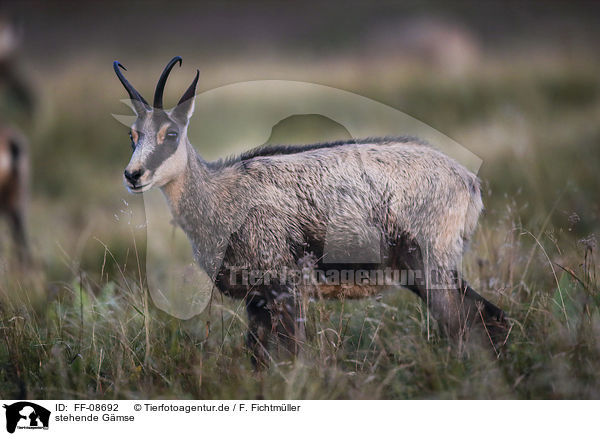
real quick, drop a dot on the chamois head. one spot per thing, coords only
(158, 136)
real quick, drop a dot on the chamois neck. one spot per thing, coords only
(190, 188)
(193, 199)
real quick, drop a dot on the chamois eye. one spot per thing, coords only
(171, 134)
(131, 138)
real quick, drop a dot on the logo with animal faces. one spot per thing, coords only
(25, 415)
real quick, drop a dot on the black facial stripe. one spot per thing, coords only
(140, 136)
(160, 153)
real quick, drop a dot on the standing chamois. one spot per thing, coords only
(369, 205)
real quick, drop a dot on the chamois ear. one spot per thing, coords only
(185, 108)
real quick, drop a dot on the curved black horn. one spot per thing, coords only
(160, 86)
(191, 91)
(133, 94)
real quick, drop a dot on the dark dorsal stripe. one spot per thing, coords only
(277, 150)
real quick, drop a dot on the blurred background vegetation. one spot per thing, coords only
(517, 83)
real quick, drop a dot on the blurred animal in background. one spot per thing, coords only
(16, 108)
(16, 97)
(443, 45)
(14, 175)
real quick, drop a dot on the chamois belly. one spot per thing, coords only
(347, 291)
(237, 285)
(315, 278)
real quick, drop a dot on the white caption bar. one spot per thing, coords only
(246, 417)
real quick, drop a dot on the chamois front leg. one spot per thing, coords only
(259, 331)
(287, 318)
(281, 315)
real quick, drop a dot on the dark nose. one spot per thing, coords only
(134, 176)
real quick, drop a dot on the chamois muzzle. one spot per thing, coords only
(133, 179)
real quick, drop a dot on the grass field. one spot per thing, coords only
(82, 324)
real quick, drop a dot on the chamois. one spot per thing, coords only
(14, 169)
(372, 204)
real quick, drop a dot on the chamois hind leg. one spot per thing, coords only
(490, 316)
(465, 314)
(456, 306)
(259, 331)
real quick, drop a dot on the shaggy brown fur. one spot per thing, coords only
(357, 205)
